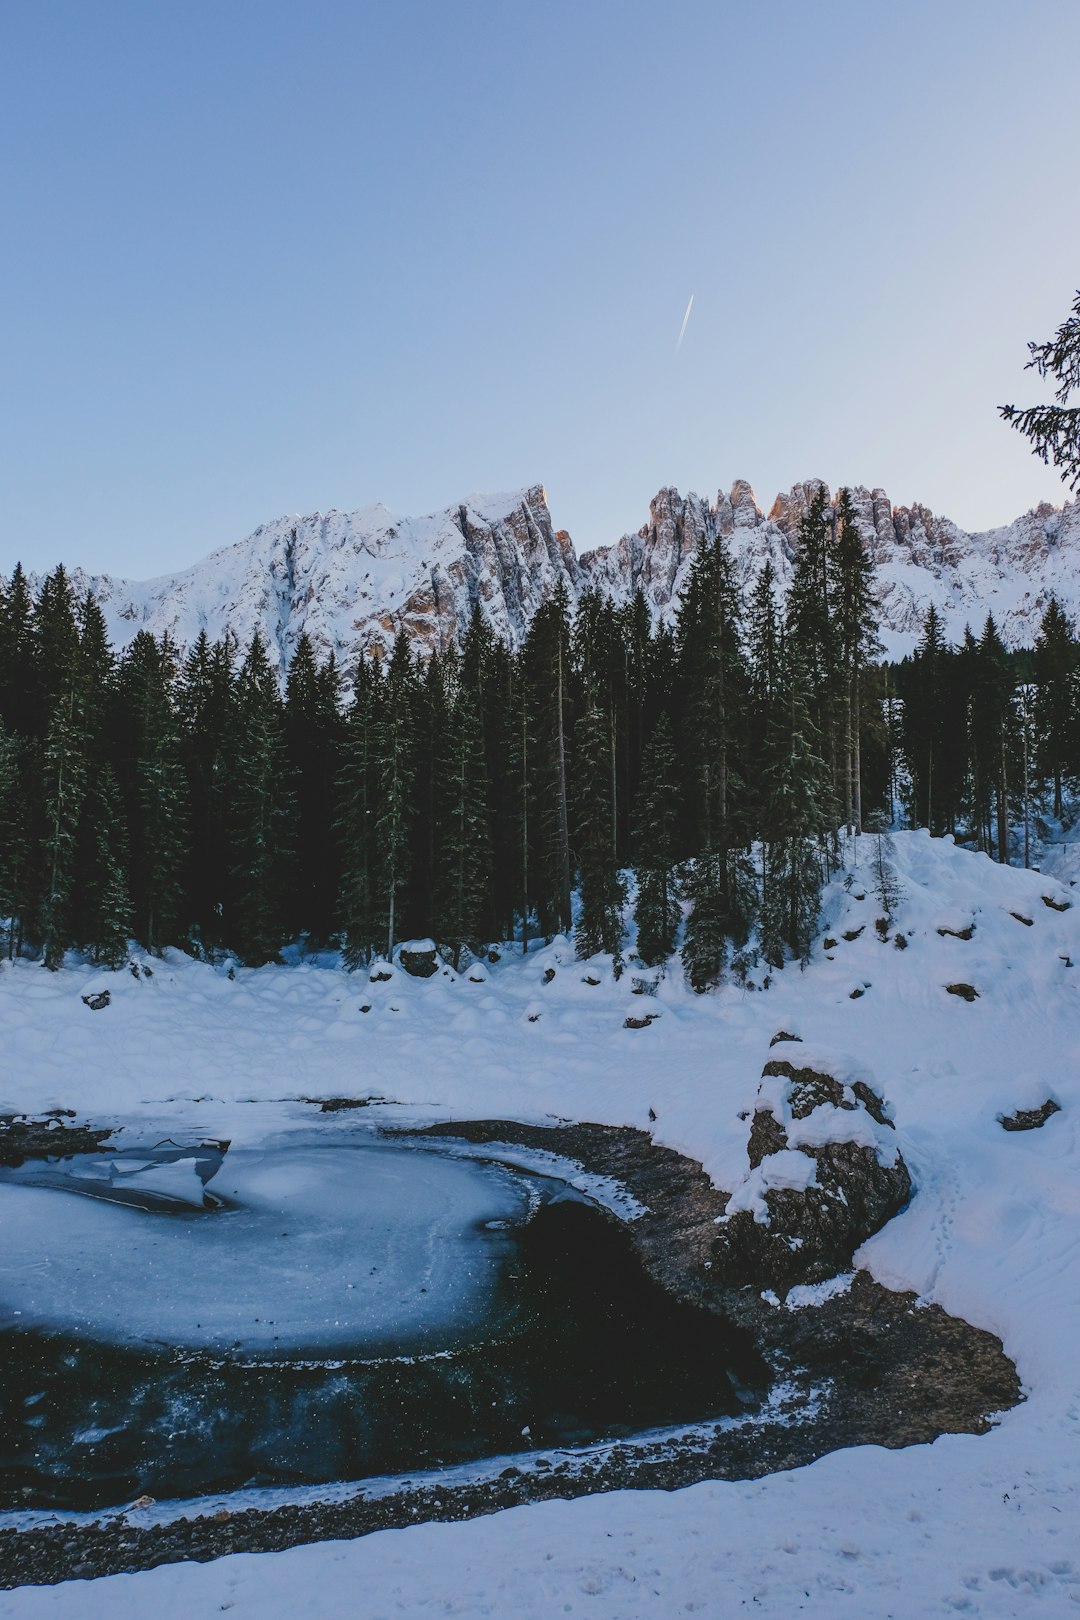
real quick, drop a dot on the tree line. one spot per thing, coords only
(187, 800)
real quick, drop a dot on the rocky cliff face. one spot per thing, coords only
(353, 580)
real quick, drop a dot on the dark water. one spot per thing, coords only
(587, 1347)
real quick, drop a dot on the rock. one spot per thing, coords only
(967, 992)
(327, 575)
(97, 1000)
(549, 974)
(958, 933)
(853, 933)
(1029, 1119)
(380, 975)
(419, 958)
(1056, 905)
(631, 1022)
(809, 1200)
(782, 1035)
(1027, 921)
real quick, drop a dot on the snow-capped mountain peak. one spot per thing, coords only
(352, 580)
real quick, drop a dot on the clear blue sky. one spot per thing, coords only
(262, 256)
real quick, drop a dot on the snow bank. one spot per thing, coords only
(979, 1526)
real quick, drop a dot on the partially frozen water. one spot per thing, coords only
(310, 1250)
(181, 1320)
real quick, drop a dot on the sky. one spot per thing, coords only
(264, 256)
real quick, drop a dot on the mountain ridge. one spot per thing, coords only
(352, 580)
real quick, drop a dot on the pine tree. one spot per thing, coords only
(462, 846)
(312, 724)
(262, 813)
(9, 785)
(396, 775)
(357, 798)
(1054, 430)
(796, 788)
(155, 787)
(104, 916)
(1057, 720)
(64, 759)
(993, 725)
(657, 911)
(714, 685)
(548, 665)
(205, 699)
(857, 645)
(602, 893)
(811, 627)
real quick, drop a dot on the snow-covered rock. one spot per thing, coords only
(353, 580)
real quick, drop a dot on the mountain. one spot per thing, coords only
(351, 580)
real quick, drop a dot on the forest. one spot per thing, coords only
(187, 801)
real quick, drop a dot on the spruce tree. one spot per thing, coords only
(657, 910)
(1057, 718)
(64, 759)
(548, 664)
(857, 645)
(462, 845)
(262, 813)
(357, 800)
(205, 699)
(396, 775)
(155, 787)
(312, 722)
(601, 891)
(797, 787)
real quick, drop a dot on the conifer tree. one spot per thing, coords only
(714, 683)
(811, 627)
(463, 848)
(396, 770)
(1054, 430)
(993, 726)
(205, 698)
(104, 917)
(155, 786)
(705, 944)
(602, 894)
(657, 911)
(1057, 717)
(262, 812)
(312, 721)
(796, 787)
(857, 645)
(64, 758)
(548, 665)
(357, 798)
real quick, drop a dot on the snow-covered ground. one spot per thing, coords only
(971, 1525)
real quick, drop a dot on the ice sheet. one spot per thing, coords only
(362, 1249)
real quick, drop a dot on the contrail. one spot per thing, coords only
(682, 328)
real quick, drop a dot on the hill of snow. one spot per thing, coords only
(979, 1526)
(352, 580)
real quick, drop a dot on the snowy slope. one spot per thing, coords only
(980, 1526)
(351, 580)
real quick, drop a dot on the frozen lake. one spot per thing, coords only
(180, 1320)
(312, 1250)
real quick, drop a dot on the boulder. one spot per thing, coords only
(823, 1174)
(418, 957)
(1029, 1119)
